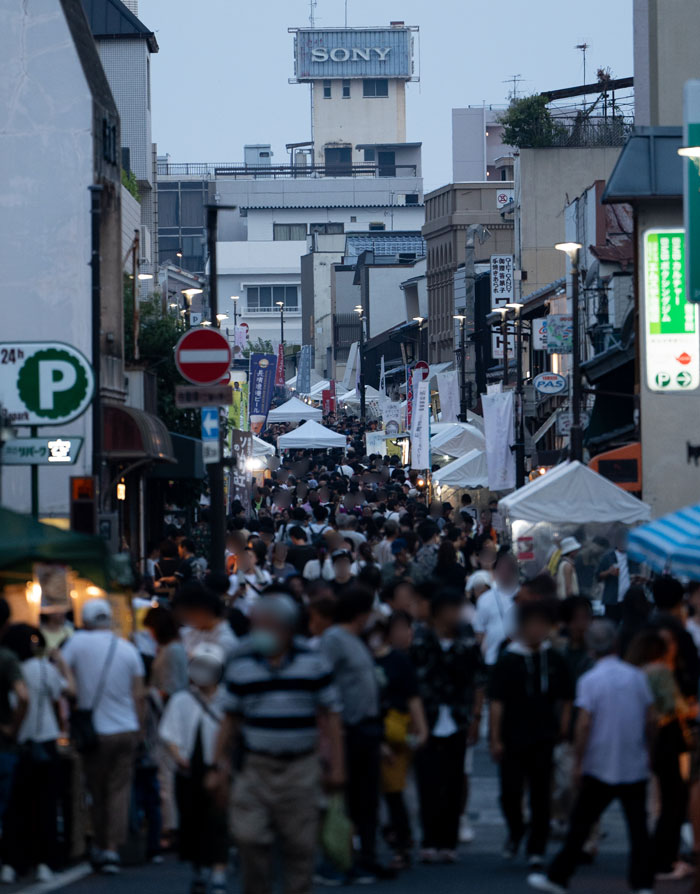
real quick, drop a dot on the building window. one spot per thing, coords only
(109, 141)
(326, 89)
(338, 161)
(375, 87)
(327, 229)
(264, 298)
(353, 219)
(376, 225)
(346, 89)
(370, 155)
(289, 232)
(411, 198)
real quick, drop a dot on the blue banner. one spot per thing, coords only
(304, 370)
(261, 381)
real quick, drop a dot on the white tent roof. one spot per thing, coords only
(466, 472)
(311, 435)
(436, 428)
(572, 492)
(314, 378)
(294, 410)
(457, 439)
(262, 448)
(353, 397)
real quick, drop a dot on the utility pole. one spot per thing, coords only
(520, 397)
(462, 367)
(217, 509)
(474, 232)
(573, 250)
(96, 323)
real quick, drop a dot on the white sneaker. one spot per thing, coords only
(540, 882)
(466, 833)
(43, 873)
(7, 875)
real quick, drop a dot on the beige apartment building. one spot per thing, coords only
(449, 211)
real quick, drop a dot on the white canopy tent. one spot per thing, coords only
(314, 379)
(436, 428)
(573, 493)
(467, 472)
(311, 435)
(353, 397)
(458, 439)
(262, 448)
(293, 410)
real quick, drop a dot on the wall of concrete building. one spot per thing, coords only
(476, 142)
(260, 222)
(359, 119)
(317, 303)
(387, 307)
(549, 179)
(665, 57)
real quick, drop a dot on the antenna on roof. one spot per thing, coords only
(584, 47)
(312, 12)
(514, 80)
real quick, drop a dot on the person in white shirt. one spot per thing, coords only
(201, 611)
(29, 823)
(611, 743)
(249, 580)
(494, 608)
(109, 676)
(189, 728)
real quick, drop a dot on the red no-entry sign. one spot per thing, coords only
(203, 356)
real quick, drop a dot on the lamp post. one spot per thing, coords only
(462, 367)
(280, 304)
(234, 298)
(363, 409)
(420, 321)
(189, 295)
(503, 311)
(516, 307)
(573, 251)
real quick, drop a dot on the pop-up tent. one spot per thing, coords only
(311, 436)
(573, 493)
(458, 439)
(467, 472)
(293, 410)
(353, 397)
(262, 448)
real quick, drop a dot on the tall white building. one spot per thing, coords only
(478, 150)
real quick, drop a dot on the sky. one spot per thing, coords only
(220, 79)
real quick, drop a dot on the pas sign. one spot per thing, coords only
(670, 320)
(354, 54)
(43, 383)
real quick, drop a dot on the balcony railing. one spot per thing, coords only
(578, 132)
(292, 309)
(282, 172)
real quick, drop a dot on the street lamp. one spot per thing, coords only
(359, 309)
(280, 304)
(516, 307)
(462, 366)
(573, 251)
(234, 298)
(220, 318)
(503, 311)
(189, 295)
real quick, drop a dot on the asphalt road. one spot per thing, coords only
(481, 870)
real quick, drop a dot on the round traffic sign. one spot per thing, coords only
(423, 368)
(203, 356)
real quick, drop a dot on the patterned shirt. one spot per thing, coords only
(278, 706)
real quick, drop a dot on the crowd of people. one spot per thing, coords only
(360, 644)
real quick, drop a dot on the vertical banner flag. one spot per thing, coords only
(420, 432)
(382, 381)
(326, 401)
(238, 411)
(502, 291)
(448, 389)
(261, 382)
(241, 452)
(409, 398)
(279, 375)
(332, 391)
(350, 365)
(560, 334)
(499, 431)
(304, 370)
(240, 337)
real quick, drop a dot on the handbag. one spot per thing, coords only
(82, 726)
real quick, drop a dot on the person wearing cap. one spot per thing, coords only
(279, 695)
(109, 676)
(567, 578)
(189, 729)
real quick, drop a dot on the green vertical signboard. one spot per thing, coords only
(691, 186)
(670, 322)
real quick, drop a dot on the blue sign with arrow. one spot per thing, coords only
(211, 448)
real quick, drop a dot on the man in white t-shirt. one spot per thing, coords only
(493, 618)
(109, 682)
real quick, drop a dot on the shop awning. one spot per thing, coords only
(131, 434)
(188, 460)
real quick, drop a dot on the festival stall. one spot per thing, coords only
(457, 439)
(293, 410)
(670, 545)
(311, 436)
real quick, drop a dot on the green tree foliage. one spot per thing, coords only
(259, 346)
(158, 336)
(129, 180)
(528, 123)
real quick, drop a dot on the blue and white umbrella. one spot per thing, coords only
(670, 544)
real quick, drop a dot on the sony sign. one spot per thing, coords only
(355, 54)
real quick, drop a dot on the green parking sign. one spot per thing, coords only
(43, 383)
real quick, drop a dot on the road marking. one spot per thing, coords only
(60, 880)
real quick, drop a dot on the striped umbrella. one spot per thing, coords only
(670, 544)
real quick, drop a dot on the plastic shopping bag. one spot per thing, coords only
(336, 834)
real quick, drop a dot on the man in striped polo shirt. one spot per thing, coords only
(279, 694)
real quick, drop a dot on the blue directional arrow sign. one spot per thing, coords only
(211, 449)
